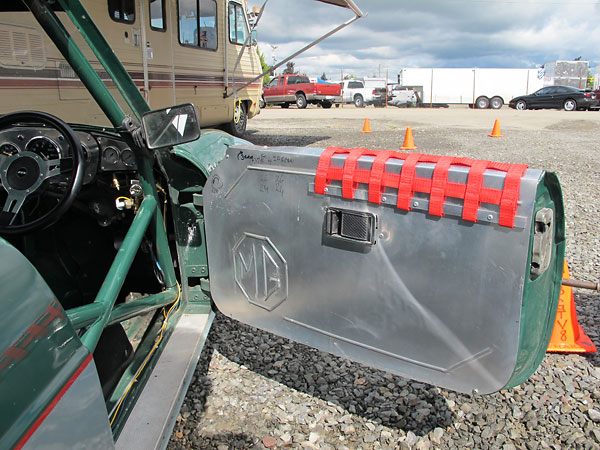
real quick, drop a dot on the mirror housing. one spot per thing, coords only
(171, 126)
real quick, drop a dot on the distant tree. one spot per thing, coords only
(323, 76)
(289, 68)
(264, 66)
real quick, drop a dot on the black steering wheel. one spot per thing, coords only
(23, 173)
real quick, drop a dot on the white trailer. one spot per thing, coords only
(482, 88)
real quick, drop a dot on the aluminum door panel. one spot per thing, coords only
(436, 299)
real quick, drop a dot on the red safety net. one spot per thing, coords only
(473, 193)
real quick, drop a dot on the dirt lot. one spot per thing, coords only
(255, 390)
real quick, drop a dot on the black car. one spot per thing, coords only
(566, 97)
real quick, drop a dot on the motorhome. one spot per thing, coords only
(175, 51)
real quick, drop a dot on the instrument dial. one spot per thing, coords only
(8, 149)
(128, 157)
(110, 155)
(45, 147)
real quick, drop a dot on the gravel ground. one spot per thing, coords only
(255, 390)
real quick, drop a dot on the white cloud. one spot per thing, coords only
(431, 33)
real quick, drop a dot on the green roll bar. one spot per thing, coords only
(102, 312)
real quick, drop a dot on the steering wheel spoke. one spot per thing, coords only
(12, 206)
(54, 167)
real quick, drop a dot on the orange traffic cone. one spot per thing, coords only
(568, 336)
(496, 131)
(366, 127)
(409, 142)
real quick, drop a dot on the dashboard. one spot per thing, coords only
(104, 151)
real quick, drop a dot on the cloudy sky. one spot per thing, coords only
(398, 34)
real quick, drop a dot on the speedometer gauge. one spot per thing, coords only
(43, 146)
(8, 149)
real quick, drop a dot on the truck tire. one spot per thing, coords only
(496, 102)
(326, 104)
(262, 103)
(359, 101)
(482, 102)
(300, 101)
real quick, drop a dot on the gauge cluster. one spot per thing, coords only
(115, 154)
(104, 152)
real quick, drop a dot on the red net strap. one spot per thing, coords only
(406, 181)
(473, 192)
(438, 186)
(376, 176)
(348, 183)
(323, 167)
(510, 195)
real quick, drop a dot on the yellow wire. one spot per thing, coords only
(124, 198)
(162, 330)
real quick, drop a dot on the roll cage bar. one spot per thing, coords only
(102, 311)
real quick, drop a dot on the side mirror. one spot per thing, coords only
(171, 126)
(253, 38)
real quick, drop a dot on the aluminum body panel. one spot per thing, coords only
(436, 299)
(78, 421)
(153, 417)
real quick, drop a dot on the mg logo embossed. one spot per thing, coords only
(260, 271)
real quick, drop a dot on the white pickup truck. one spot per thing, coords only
(354, 91)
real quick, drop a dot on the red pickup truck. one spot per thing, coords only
(287, 89)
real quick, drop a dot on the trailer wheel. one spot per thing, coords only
(359, 102)
(496, 102)
(482, 102)
(285, 105)
(326, 104)
(300, 101)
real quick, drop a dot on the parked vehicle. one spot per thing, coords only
(287, 89)
(188, 57)
(482, 88)
(355, 91)
(401, 97)
(559, 97)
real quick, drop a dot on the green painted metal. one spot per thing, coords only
(540, 294)
(66, 45)
(80, 17)
(118, 271)
(84, 316)
(39, 348)
(208, 151)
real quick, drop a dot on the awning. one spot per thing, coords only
(344, 4)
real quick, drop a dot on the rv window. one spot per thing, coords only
(157, 15)
(198, 23)
(122, 10)
(238, 29)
